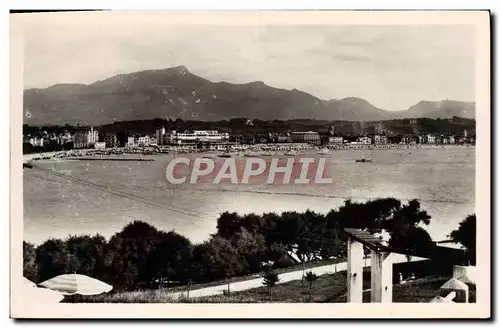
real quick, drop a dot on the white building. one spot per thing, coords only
(100, 145)
(336, 140)
(86, 139)
(310, 137)
(364, 140)
(131, 142)
(430, 139)
(64, 138)
(36, 141)
(379, 139)
(144, 140)
(209, 136)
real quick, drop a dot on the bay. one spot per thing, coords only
(115, 193)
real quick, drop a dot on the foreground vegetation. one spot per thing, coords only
(142, 257)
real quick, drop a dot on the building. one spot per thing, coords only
(36, 142)
(380, 139)
(405, 140)
(336, 140)
(446, 140)
(364, 140)
(283, 139)
(86, 139)
(197, 136)
(144, 140)
(429, 139)
(160, 135)
(332, 130)
(100, 145)
(65, 138)
(111, 140)
(131, 141)
(310, 137)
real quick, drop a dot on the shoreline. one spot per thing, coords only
(273, 149)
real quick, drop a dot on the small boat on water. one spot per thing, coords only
(324, 151)
(225, 155)
(363, 160)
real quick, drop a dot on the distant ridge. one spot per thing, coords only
(177, 93)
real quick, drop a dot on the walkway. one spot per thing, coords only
(284, 277)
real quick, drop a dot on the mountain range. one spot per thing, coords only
(177, 93)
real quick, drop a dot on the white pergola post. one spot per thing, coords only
(381, 277)
(354, 271)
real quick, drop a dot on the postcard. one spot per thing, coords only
(250, 164)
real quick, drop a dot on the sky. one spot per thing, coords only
(391, 66)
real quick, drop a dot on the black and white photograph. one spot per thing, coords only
(307, 159)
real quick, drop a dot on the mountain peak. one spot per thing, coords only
(177, 93)
(258, 83)
(354, 100)
(179, 69)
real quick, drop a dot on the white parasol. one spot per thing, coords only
(69, 284)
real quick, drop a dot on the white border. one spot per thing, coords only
(371, 310)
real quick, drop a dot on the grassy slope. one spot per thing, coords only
(329, 288)
(161, 295)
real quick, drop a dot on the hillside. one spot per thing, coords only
(177, 93)
(441, 109)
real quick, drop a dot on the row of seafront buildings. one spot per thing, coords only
(91, 138)
(402, 140)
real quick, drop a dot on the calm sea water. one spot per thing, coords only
(443, 179)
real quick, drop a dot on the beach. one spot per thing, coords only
(269, 149)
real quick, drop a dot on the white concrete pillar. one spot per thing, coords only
(354, 271)
(454, 285)
(381, 277)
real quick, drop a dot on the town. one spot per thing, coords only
(193, 139)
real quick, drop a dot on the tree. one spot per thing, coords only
(414, 241)
(276, 252)
(310, 278)
(30, 264)
(465, 235)
(296, 234)
(217, 259)
(228, 224)
(406, 217)
(270, 280)
(53, 258)
(252, 248)
(270, 228)
(87, 255)
(128, 252)
(170, 259)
